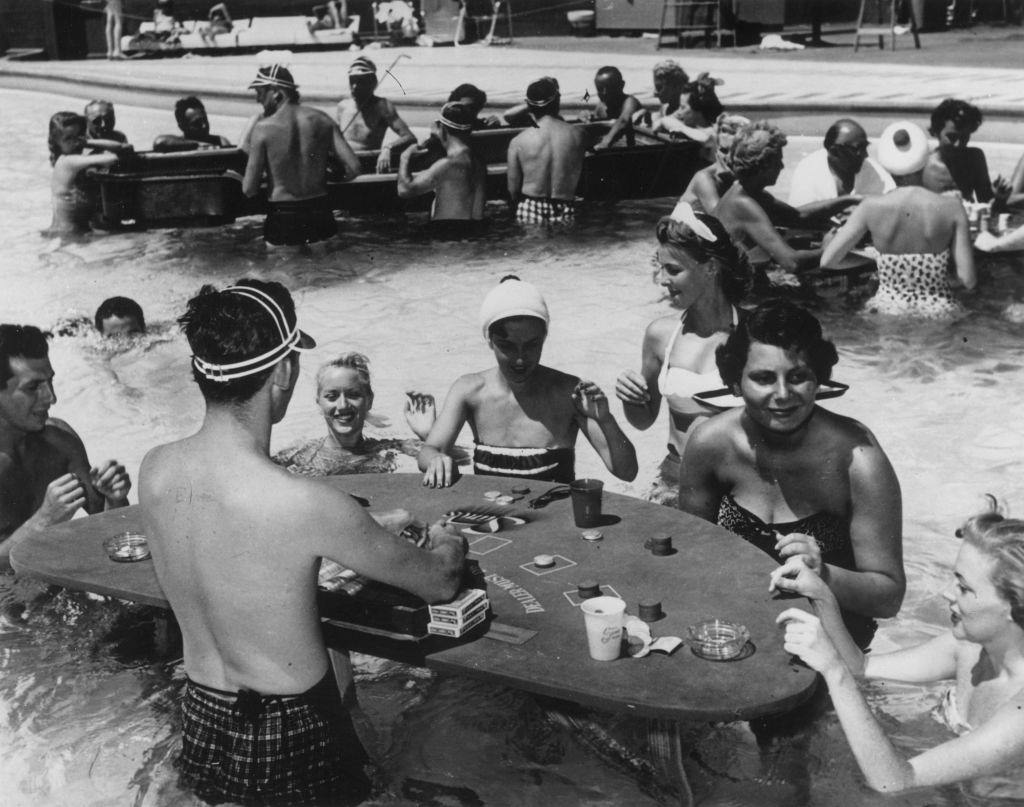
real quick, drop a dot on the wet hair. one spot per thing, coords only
(58, 123)
(123, 307)
(182, 105)
(672, 71)
(1002, 540)
(227, 328)
(469, 91)
(964, 116)
(703, 98)
(611, 71)
(21, 341)
(352, 361)
(754, 147)
(783, 324)
(735, 274)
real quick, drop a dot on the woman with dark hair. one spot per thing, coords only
(953, 166)
(73, 204)
(705, 277)
(792, 478)
(981, 655)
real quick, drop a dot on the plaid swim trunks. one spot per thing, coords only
(247, 748)
(532, 210)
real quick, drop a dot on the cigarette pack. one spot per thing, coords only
(441, 619)
(454, 631)
(481, 522)
(461, 605)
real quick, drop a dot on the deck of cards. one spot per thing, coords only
(461, 615)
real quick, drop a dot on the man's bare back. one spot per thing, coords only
(293, 146)
(548, 159)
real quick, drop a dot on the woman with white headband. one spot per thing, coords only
(704, 275)
(919, 235)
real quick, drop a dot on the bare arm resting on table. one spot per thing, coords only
(435, 457)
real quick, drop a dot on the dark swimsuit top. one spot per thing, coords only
(546, 464)
(831, 532)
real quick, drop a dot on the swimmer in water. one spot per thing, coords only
(120, 316)
(705, 276)
(525, 417)
(345, 396)
(980, 657)
(458, 180)
(101, 119)
(614, 104)
(365, 117)
(190, 115)
(73, 203)
(44, 470)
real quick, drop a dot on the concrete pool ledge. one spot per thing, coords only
(422, 77)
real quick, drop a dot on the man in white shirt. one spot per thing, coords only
(840, 168)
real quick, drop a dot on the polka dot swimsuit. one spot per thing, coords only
(915, 285)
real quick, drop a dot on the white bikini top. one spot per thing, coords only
(678, 384)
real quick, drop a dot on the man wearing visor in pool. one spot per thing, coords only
(457, 180)
(236, 544)
(293, 145)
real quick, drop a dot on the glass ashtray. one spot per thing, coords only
(717, 640)
(127, 547)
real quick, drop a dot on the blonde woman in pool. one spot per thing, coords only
(982, 655)
(344, 395)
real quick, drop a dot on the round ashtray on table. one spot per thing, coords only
(127, 547)
(718, 640)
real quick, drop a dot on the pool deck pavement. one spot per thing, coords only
(815, 80)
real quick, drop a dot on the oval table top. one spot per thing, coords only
(711, 573)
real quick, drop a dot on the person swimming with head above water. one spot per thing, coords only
(344, 395)
(120, 316)
(705, 276)
(982, 656)
(793, 479)
(74, 202)
(525, 417)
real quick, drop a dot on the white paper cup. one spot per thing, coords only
(603, 618)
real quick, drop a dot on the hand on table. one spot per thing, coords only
(440, 533)
(590, 400)
(440, 473)
(420, 413)
(806, 638)
(1002, 190)
(384, 161)
(112, 482)
(631, 388)
(64, 495)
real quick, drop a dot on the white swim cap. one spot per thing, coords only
(512, 297)
(903, 148)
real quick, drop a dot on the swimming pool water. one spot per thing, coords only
(88, 716)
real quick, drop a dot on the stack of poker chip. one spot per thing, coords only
(459, 616)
